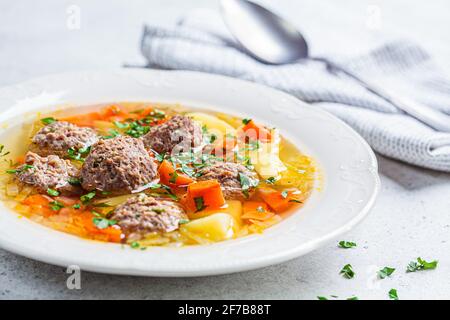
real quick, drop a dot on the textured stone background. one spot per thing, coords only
(411, 217)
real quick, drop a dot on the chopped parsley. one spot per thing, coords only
(347, 271)
(321, 298)
(76, 206)
(420, 265)
(52, 192)
(136, 129)
(183, 221)
(385, 272)
(74, 181)
(135, 245)
(56, 205)
(48, 120)
(77, 154)
(271, 180)
(173, 177)
(112, 134)
(284, 194)
(21, 169)
(393, 294)
(158, 156)
(199, 203)
(246, 121)
(247, 183)
(103, 223)
(353, 298)
(87, 197)
(346, 244)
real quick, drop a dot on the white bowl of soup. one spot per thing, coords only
(173, 173)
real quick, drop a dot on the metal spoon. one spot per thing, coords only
(273, 40)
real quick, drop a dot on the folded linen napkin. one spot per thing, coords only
(200, 42)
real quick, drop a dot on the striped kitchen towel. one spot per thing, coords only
(196, 44)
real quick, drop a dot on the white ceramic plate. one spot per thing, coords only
(349, 182)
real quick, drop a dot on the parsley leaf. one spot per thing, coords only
(87, 197)
(246, 121)
(76, 206)
(271, 180)
(199, 203)
(74, 181)
(385, 272)
(346, 244)
(48, 120)
(112, 134)
(183, 221)
(52, 192)
(56, 205)
(322, 298)
(135, 245)
(21, 169)
(393, 294)
(284, 194)
(420, 265)
(103, 223)
(347, 271)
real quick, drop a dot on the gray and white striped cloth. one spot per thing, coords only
(197, 45)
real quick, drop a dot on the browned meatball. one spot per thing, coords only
(143, 214)
(178, 134)
(118, 165)
(48, 172)
(58, 137)
(237, 181)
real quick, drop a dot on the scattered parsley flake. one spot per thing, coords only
(87, 197)
(183, 221)
(56, 205)
(103, 223)
(74, 181)
(199, 203)
(48, 120)
(393, 294)
(385, 272)
(421, 264)
(353, 298)
(52, 192)
(76, 206)
(271, 180)
(246, 121)
(135, 245)
(346, 244)
(112, 134)
(284, 194)
(347, 271)
(321, 298)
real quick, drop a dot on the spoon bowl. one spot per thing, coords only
(267, 37)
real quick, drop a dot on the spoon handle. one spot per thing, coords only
(429, 116)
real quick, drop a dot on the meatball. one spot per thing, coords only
(178, 134)
(57, 137)
(118, 165)
(143, 214)
(236, 180)
(48, 172)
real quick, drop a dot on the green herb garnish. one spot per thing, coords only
(173, 177)
(1, 151)
(21, 169)
(346, 244)
(56, 205)
(74, 181)
(284, 194)
(353, 298)
(112, 134)
(393, 294)
(48, 120)
(135, 245)
(347, 271)
(52, 192)
(246, 121)
(87, 197)
(271, 180)
(76, 206)
(183, 221)
(321, 298)
(199, 203)
(421, 264)
(385, 272)
(103, 223)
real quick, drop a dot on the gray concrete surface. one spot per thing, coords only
(411, 217)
